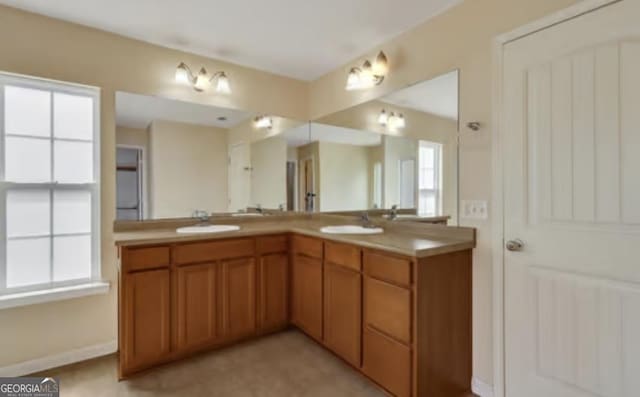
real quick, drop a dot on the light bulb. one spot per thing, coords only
(401, 122)
(263, 122)
(222, 84)
(383, 118)
(353, 80)
(182, 74)
(381, 65)
(202, 82)
(367, 79)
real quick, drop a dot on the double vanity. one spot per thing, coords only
(393, 301)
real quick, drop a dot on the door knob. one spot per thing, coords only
(515, 245)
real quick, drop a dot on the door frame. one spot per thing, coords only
(497, 208)
(143, 176)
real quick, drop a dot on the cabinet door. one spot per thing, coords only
(342, 312)
(197, 305)
(238, 297)
(274, 291)
(147, 318)
(307, 295)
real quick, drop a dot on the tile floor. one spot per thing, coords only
(280, 365)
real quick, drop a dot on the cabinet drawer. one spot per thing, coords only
(388, 309)
(389, 268)
(213, 250)
(145, 258)
(272, 244)
(387, 362)
(307, 246)
(342, 254)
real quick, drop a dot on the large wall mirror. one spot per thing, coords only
(175, 158)
(399, 151)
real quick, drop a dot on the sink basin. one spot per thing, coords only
(351, 229)
(247, 214)
(208, 229)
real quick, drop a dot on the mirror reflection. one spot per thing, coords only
(398, 153)
(176, 159)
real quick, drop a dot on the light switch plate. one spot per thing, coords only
(474, 209)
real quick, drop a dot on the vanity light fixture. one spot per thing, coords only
(369, 75)
(392, 121)
(202, 81)
(262, 122)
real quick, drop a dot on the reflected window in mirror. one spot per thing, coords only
(430, 177)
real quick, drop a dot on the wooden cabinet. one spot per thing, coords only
(273, 312)
(307, 294)
(342, 311)
(145, 317)
(404, 322)
(238, 297)
(197, 305)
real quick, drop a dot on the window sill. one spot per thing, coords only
(53, 294)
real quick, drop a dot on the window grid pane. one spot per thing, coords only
(48, 136)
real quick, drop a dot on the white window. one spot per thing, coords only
(49, 185)
(430, 178)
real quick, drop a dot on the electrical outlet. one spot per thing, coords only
(474, 209)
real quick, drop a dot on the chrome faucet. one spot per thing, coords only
(366, 222)
(201, 215)
(259, 209)
(393, 213)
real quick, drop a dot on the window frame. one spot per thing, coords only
(94, 188)
(437, 176)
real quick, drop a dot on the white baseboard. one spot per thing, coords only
(480, 388)
(60, 359)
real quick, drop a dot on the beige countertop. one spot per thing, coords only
(410, 239)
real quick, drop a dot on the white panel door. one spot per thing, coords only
(239, 177)
(572, 195)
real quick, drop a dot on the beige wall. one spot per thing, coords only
(188, 169)
(269, 173)
(460, 38)
(132, 137)
(344, 177)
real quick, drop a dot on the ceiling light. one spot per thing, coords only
(383, 118)
(263, 122)
(202, 81)
(369, 75)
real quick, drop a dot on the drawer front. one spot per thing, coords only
(307, 246)
(387, 362)
(213, 250)
(272, 244)
(389, 268)
(343, 255)
(388, 309)
(145, 258)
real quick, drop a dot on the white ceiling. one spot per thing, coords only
(437, 96)
(294, 38)
(306, 133)
(137, 111)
